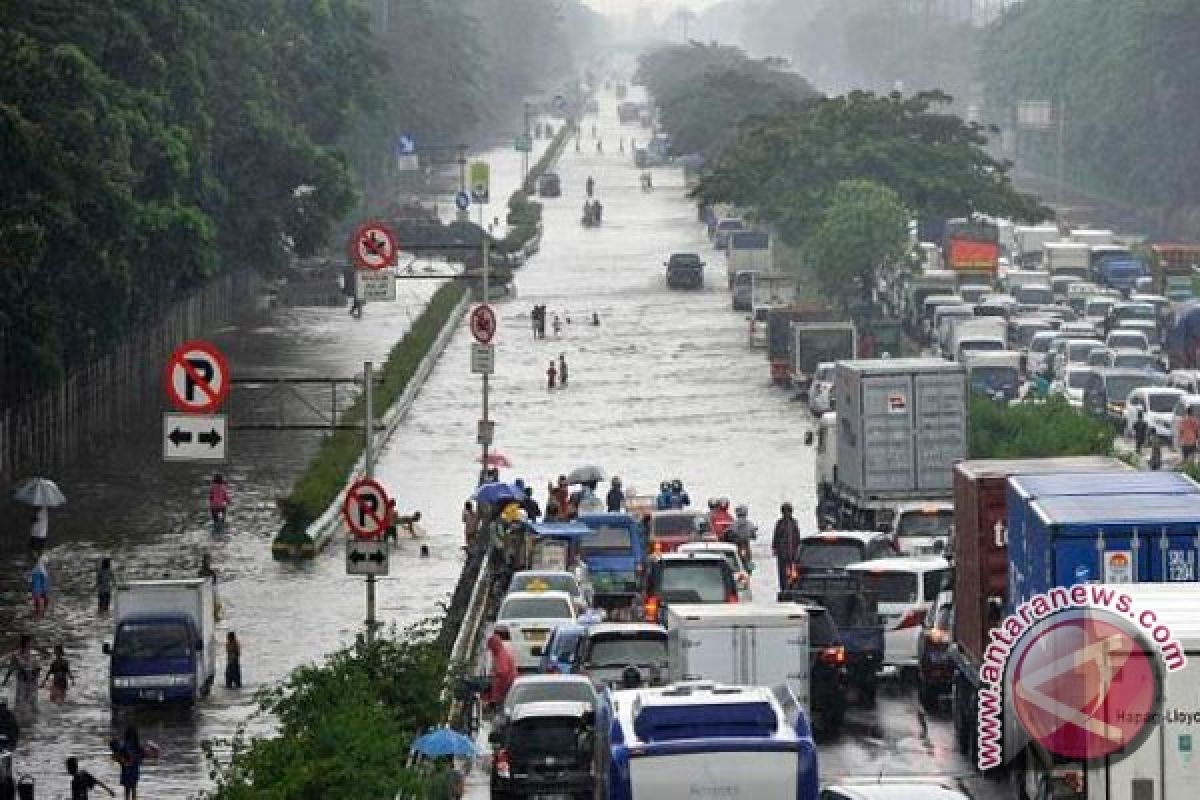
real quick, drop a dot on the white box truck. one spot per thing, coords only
(747, 251)
(1067, 258)
(164, 648)
(746, 645)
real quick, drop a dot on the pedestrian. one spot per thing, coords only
(596, 319)
(562, 370)
(218, 503)
(502, 673)
(39, 587)
(562, 495)
(1189, 433)
(104, 585)
(541, 322)
(784, 543)
(129, 753)
(533, 321)
(470, 523)
(424, 551)
(600, 146)
(615, 499)
(206, 568)
(26, 666)
(532, 509)
(551, 374)
(557, 326)
(82, 781)
(59, 676)
(39, 531)
(233, 661)
(1139, 432)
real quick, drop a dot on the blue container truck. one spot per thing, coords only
(615, 554)
(1140, 527)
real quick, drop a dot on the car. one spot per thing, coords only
(831, 551)
(1036, 358)
(1144, 326)
(607, 650)
(1126, 338)
(1188, 401)
(1073, 352)
(741, 570)
(546, 689)
(904, 587)
(686, 578)
(558, 656)
(935, 667)
(923, 528)
(820, 392)
(550, 185)
(1158, 405)
(1100, 357)
(1186, 379)
(828, 679)
(539, 580)
(1110, 388)
(1134, 359)
(684, 271)
(666, 530)
(723, 228)
(1121, 312)
(758, 326)
(893, 789)
(525, 620)
(546, 750)
(1074, 383)
(1097, 309)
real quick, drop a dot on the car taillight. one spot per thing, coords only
(502, 764)
(833, 656)
(731, 597)
(651, 607)
(911, 619)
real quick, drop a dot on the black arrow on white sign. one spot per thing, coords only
(357, 557)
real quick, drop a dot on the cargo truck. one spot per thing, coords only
(753, 289)
(1067, 258)
(971, 249)
(164, 646)
(1030, 241)
(748, 251)
(780, 339)
(995, 374)
(1116, 267)
(744, 645)
(819, 342)
(1172, 267)
(901, 426)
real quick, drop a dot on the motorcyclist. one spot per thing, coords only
(679, 497)
(742, 531)
(663, 501)
(719, 518)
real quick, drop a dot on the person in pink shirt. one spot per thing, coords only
(218, 502)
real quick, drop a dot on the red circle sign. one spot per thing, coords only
(1087, 686)
(373, 246)
(483, 324)
(197, 377)
(365, 509)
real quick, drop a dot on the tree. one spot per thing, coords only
(865, 227)
(1035, 430)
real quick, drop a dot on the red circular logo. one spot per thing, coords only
(1087, 686)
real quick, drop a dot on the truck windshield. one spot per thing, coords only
(1079, 378)
(925, 523)
(144, 640)
(606, 540)
(893, 587)
(1034, 295)
(694, 581)
(993, 379)
(829, 554)
(677, 524)
(621, 650)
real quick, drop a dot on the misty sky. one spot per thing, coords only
(660, 8)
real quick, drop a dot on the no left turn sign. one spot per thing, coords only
(197, 377)
(373, 246)
(365, 509)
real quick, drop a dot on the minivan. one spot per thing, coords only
(905, 587)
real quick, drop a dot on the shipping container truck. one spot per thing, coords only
(164, 642)
(1173, 266)
(1030, 240)
(1161, 766)
(1067, 258)
(819, 342)
(901, 426)
(749, 251)
(780, 339)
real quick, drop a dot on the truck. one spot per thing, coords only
(705, 739)
(615, 554)
(981, 334)
(923, 285)
(1172, 267)
(164, 646)
(772, 289)
(980, 549)
(1116, 266)
(1030, 241)
(901, 425)
(749, 251)
(741, 644)
(1067, 258)
(818, 342)
(780, 339)
(995, 374)
(971, 249)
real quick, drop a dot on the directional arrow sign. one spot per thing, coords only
(194, 437)
(366, 557)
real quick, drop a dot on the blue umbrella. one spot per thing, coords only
(444, 742)
(496, 493)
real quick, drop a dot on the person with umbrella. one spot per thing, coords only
(43, 494)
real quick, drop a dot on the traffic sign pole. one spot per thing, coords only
(369, 464)
(487, 268)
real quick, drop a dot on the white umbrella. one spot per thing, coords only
(586, 474)
(40, 492)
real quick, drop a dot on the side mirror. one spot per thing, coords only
(106, 648)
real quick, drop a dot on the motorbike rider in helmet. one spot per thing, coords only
(742, 531)
(663, 501)
(679, 497)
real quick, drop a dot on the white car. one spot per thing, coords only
(1125, 338)
(541, 580)
(923, 528)
(741, 570)
(526, 620)
(904, 589)
(758, 326)
(820, 393)
(1074, 383)
(1158, 404)
(1038, 351)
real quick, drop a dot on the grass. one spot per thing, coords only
(1036, 430)
(329, 470)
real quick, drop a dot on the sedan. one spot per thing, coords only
(526, 619)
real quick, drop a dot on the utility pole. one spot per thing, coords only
(369, 465)
(524, 153)
(485, 440)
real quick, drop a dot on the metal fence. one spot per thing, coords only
(98, 400)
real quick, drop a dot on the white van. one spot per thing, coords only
(905, 587)
(1186, 379)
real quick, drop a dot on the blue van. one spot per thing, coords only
(615, 554)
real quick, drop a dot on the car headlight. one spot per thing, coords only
(122, 683)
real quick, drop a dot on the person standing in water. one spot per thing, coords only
(551, 375)
(562, 370)
(233, 662)
(104, 585)
(24, 664)
(59, 675)
(218, 503)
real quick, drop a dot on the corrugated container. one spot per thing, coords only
(902, 424)
(980, 554)
(1102, 528)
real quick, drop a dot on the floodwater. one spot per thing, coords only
(664, 387)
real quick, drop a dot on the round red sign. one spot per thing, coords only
(1087, 685)
(365, 509)
(483, 324)
(373, 246)
(197, 377)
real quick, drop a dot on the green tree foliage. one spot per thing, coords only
(786, 167)
(864, 227)
(1035, 430)
(344, 727)
(1131, 95)
(704, 92)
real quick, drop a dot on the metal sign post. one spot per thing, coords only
(487, 268)
(369, 464)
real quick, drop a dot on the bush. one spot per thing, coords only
(1035, 430)
(330, 468)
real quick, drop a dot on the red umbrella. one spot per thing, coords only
(497, 459)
